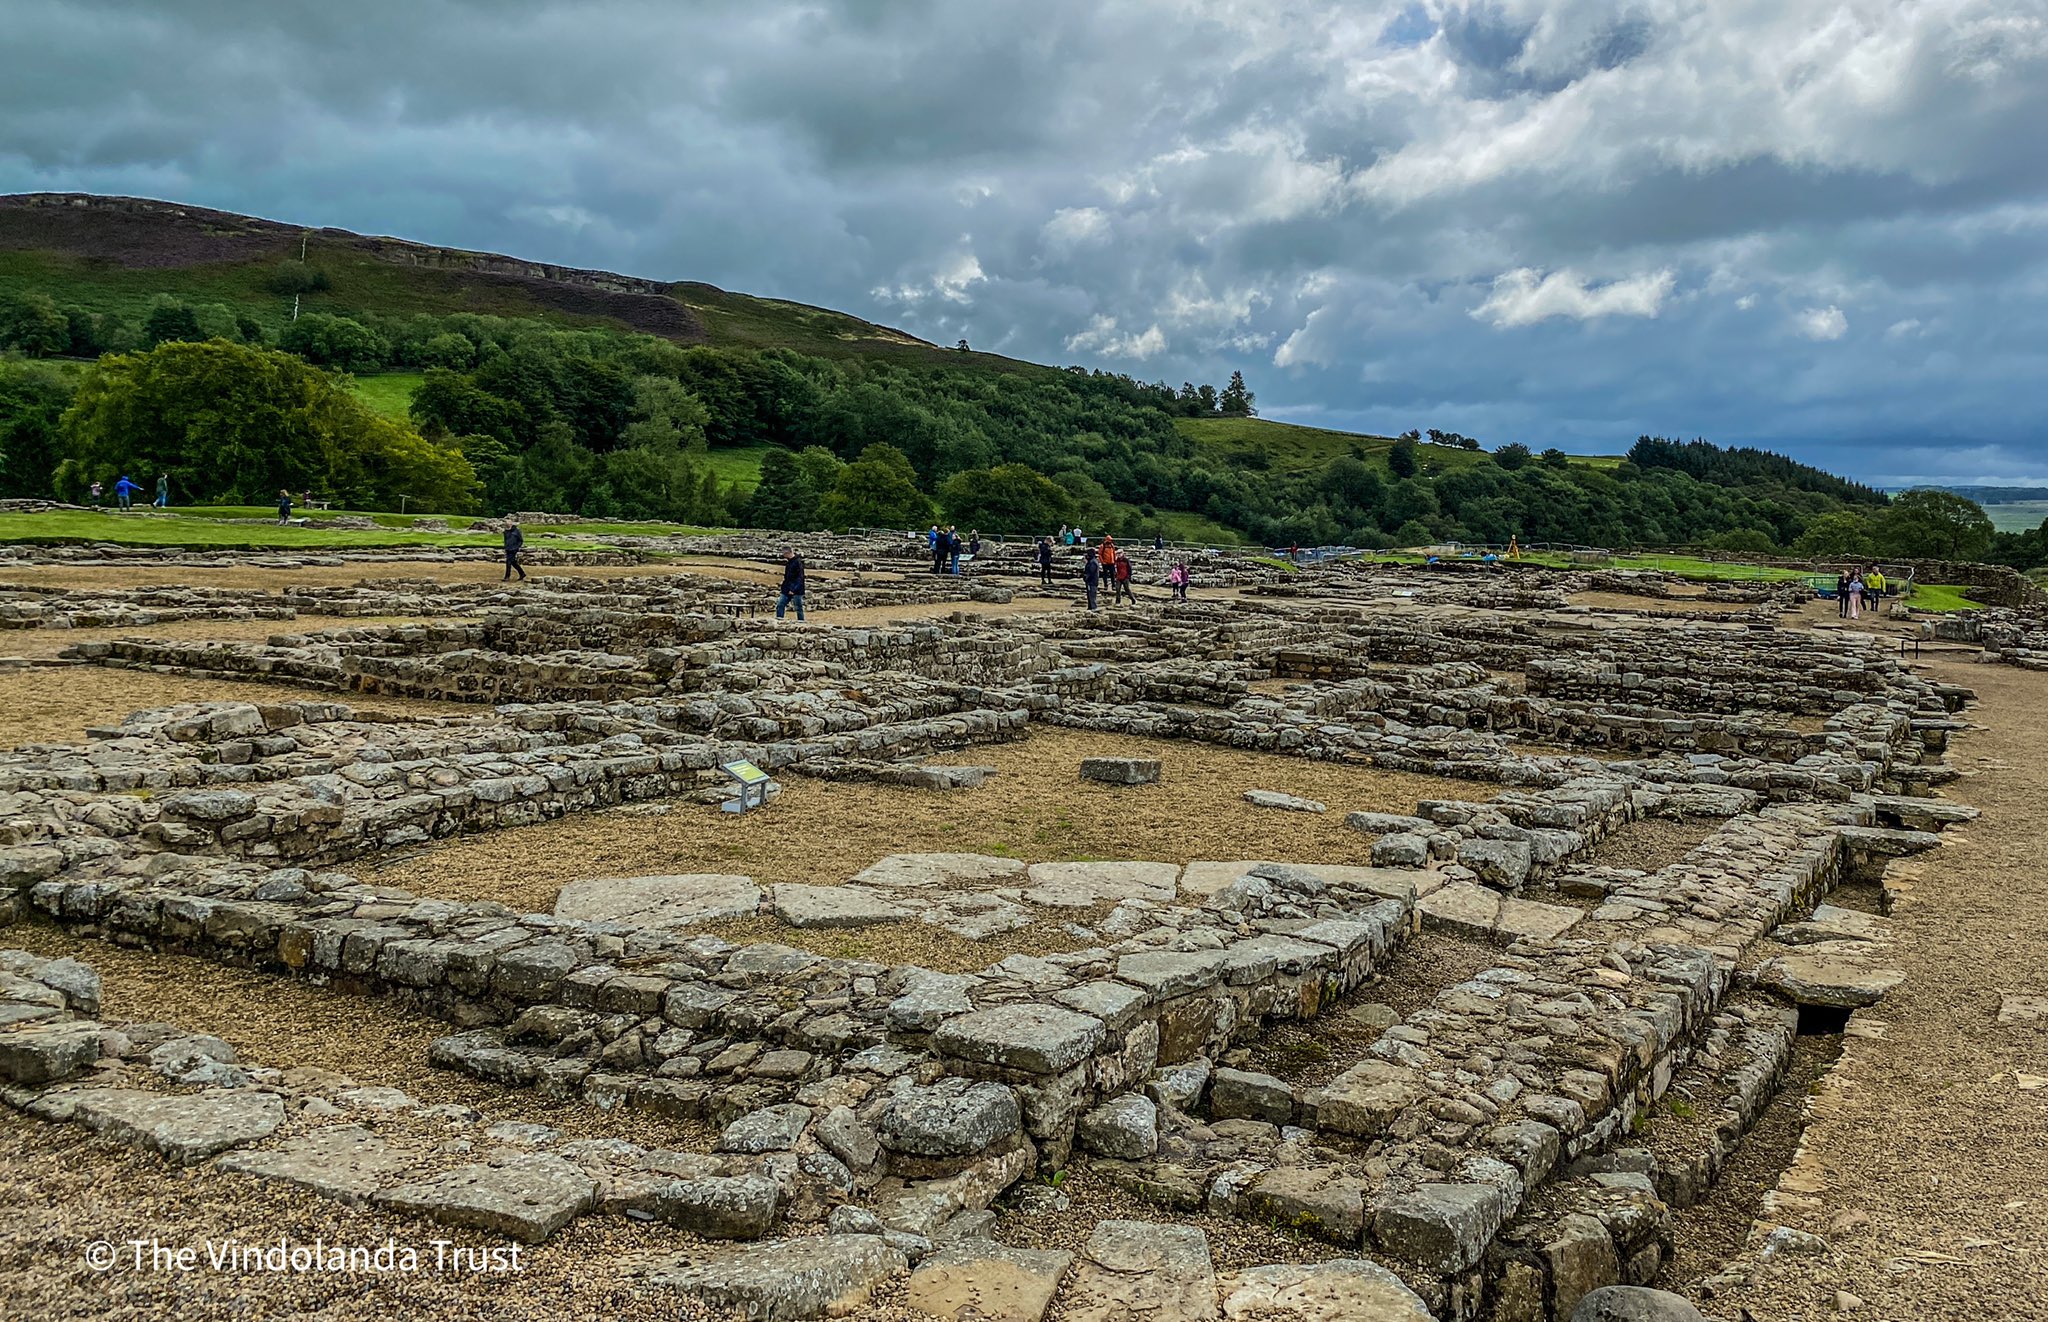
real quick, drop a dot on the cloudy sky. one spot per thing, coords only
(1818, 225)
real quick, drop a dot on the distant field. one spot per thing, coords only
(1283, 447)
(389, 393)
(2017, 515)
(67, 527)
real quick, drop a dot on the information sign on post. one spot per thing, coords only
(753, 783)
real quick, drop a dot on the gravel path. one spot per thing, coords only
(1926, 1160)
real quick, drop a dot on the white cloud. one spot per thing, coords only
(1071, 227)
(950, 280)
(1822, 324)
(1103, 337)
(1524, 296)
(1745, 303)
(1310, 345)
(1906, 328)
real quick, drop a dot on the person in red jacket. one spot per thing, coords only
(1122, 573)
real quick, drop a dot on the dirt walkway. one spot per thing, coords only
(1926, 1162)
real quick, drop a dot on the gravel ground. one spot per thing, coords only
(1037, 808)
(67, 1190)
(1924, 1156)
(55, 704)
(1713, 1230)
(284, 1023)
(1311, 1054)
(921, 943)
(49, 642)
(1652, 843)
(483, 566)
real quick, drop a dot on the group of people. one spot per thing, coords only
(125, 489)
(1108, 562)
(946, 546)
(1858, 590)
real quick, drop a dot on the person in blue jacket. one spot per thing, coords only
(792, 584)
(124, 492)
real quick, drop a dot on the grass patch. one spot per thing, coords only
(1941, 597)
(740, 466)
(61, 527)
(388, 393)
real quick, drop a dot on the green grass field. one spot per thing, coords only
(1941, 597)
(64, 527)
(2017, 515)
(388, 393)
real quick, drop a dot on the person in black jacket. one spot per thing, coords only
(1045, 561)
(792, 584)
(1091, 576)
(514, 539)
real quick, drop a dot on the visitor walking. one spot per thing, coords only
(124, 493)
(1045, 560)
(1091, 577)
(1159, 541)
(284, 505)
(953, 545)
(1066, 535)
(95, 493)
(1842, 594)
(163, 491)
(1177, 577)
(931, 547)
(974, 546)
(1856, 595)
(1106, 553)
(1122, 569)
(792, 584)
(515, 538)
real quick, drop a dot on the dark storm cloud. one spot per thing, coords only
(1812, 223)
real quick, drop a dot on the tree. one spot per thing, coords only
(1838, 535)
(877, 490)
(1555, 458)
(1754, 541)
(336, 342)
(33, 397)
(665, 416)
(1009, 498)
(1236, 401)
(169, 320)
(1513, 455)
(1938, 524)
(786, 497)
(35, 325)
(448, 350)
(1401, 460)
(237, 423)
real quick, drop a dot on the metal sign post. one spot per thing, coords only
(752, 781)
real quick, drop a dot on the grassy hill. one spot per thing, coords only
(114, 254)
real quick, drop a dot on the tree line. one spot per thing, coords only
(516, 414)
